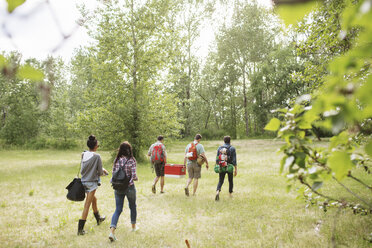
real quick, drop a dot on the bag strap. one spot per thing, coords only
(80, 165)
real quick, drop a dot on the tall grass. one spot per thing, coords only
(34, 211)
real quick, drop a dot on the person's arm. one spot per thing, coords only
(134, 170)
(202, 154)
(101, 171)
(165, 154)
(218, 153)
(234, 162)
(185, 159)
(149, 152)
(205, 159)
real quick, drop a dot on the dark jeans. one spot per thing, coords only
(222, 179)
(119, 199)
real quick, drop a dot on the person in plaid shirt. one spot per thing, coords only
(125, 158)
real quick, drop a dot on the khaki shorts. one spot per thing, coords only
(194, 170)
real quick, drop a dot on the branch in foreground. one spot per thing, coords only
(359, 181)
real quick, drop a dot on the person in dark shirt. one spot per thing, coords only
(226, 154)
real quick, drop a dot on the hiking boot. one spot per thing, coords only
(99, 218)
(112, 237)
(187, 191)
(162, 192)
(81, 227)
(153, 189)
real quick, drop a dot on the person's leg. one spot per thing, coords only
(88, 201)
(197, 175)
(195, 185)
(158, 174)
(153, 188)
(131, 196)
(221, 180)
(190, 171)
(162, 178)
(156, 179)
(119, 201)
(231, 182)
(94, 204)
(98, 217)
(219, 185)
(84, 215)
(162, 184)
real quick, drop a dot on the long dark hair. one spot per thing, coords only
(125, 150)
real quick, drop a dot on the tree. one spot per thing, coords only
(342, 104)
(126, 98)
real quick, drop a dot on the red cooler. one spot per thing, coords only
(174, 170)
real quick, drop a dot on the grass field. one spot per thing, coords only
(34, 211)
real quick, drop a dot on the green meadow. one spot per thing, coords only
(34, 211)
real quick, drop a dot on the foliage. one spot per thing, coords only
(342, 104)
(120, 78)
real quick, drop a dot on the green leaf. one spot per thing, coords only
(316, 186)
(340, 139)
(288, 188)
(2, 61)
(300, 159)
(368, 148)
(273, 125)
(29, 72)
(282, 162)
(340, 164)
(12, 4)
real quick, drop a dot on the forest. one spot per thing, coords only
(142, 76)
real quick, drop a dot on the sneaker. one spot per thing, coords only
(217, 197)
(112, 237)
(135, 229)
(162, 192)
(153, 189)
(187, 191)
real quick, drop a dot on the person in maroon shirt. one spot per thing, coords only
(125, 158)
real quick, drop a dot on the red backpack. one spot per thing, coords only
(194, 151)
(157, 156)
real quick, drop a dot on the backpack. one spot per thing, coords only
(120, 180)
(194, 152)
(224, 156)
(157, 156)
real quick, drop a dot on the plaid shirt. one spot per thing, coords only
(130, 168)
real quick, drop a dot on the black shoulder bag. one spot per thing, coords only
(76, 191)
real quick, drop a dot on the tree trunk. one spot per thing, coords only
(135, 114)
(188, 84)
(207, 120)
(233, 112)
(245, 104)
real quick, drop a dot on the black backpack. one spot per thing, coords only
(120, 180)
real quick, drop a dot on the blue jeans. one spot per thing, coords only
(119, 199)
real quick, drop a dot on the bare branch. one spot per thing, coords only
(359, 181)
(351, 192)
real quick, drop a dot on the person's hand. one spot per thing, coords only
(207, 166)
(105, 172)
(235, 172)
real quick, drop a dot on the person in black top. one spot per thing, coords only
(226, 156)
